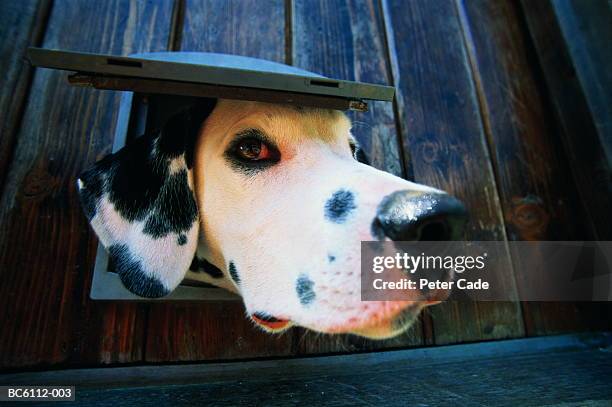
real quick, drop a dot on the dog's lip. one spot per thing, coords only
(270, 322)
(379, 328)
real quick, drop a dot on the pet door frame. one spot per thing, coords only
(161, 83)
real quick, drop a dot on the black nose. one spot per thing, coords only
(410, 216)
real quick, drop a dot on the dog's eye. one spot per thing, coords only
(253, 150)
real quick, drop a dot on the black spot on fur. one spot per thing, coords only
(181, 130)
(234, 273)
(172, 143)
(361, 156)
(89, 199)
(331, 258)
(198, 115)
(135, 179)
(304, 288)
(201, 265)
(93, 186)
(132, 274)
(358, 153)
(339, 206)
(181, 240)
(175, 209)
(136, 175)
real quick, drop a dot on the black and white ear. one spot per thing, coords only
(141, 204)
(358, 153)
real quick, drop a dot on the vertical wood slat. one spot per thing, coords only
(586, 142)
(587, 29)
(22, 24)
(345, 39)
(442, 129)
(46, 248)
(539, 204)
(249, 27)
(590, 166)
(252, 28)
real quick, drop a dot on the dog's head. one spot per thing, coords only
(268, 201)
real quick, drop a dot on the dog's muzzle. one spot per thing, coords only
(400, 216)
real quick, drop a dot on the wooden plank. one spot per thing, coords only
(585, 139)
(21, 24)
(220, 330)
(46, 248)
(531, 166)
(253, 28)
(344, 39)
(590, 166)
(187, 374)
(546, 379)
(217, 331)
(587, 29)
(442, 129)
(534, 372)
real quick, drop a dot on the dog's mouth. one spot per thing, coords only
(270, 323)
(383, 328)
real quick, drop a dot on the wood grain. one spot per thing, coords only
(585, 140)
(533, 371)
(539, 204)
(220, 330)
(442, 129)
(21, 25)
(253, 28)
(587, 29)
(344, 39)
(585, 150)
(46, 248)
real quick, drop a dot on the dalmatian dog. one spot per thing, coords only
(268, 201)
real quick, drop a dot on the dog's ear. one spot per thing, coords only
(141, 204)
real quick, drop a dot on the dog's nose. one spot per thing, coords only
(411, 216)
